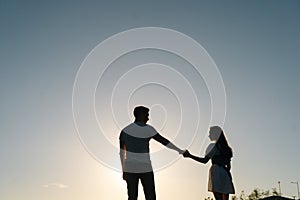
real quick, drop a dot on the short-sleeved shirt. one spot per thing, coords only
(136, 138)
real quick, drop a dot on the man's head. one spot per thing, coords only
(141, 114)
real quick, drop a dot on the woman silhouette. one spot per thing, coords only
(220, 180)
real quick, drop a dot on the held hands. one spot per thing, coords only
(186, 154)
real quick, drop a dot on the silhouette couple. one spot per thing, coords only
(136, 163)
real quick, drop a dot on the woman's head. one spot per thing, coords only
(214, 133)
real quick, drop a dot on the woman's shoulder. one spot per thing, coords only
(211, 150)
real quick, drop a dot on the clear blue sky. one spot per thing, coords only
(255, 44)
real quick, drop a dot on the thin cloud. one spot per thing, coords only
(55, 185)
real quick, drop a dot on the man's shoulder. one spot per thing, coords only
(139, 131)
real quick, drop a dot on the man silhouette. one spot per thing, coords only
(134, 154)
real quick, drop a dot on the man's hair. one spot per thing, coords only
(139, 110)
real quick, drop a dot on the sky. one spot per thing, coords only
(50, 150)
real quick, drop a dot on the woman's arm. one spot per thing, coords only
(196, 158)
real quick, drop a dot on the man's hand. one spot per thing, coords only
(124, 176)
(180, 151)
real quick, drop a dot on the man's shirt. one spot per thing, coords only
(134, 141)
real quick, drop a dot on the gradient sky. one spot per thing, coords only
(255, 44)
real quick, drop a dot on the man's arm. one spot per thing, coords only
(123, 157)
(167, 143)
(122, 153)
